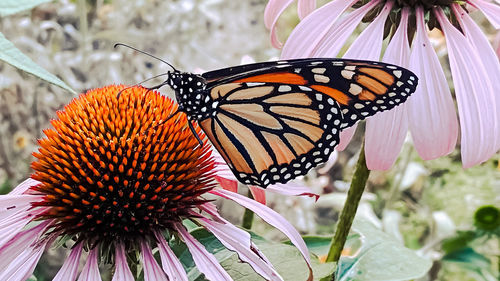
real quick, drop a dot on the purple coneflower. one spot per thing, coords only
(430, 114)
(114, 180)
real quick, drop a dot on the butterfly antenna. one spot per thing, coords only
(142, 52)
(152, 88)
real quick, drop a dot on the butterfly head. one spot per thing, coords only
(190, 93)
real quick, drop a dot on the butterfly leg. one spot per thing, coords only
(194, 133)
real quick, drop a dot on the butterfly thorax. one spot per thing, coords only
(191, 94)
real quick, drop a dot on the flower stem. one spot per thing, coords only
(248, 215)
(356, 189)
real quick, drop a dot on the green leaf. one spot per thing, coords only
(9, 7)
(471, 261)
(286, 259)
(381, 257)
(13, 56)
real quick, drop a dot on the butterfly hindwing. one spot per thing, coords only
(270, 132)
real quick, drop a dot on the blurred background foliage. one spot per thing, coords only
(444, 213)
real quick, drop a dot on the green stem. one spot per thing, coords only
(248, 215)
(350, 207)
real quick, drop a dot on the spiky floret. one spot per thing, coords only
(112, 168)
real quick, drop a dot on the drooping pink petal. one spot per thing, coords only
(431, 111)
(293, 188)
(21, 241)
(270, 216)
(170, 263)
(487, 55)
(334, 40)
(11, 225)
(16, 204)
(205, 261)
(90, 271)
(305, 7)
(367, 46)
(312, 29)
(258, 194)
(386, 131)
(122, 271)
(69, 270)
(490, 10)
(239, 241)
(23, 265)
(24, 186)
(152, 271)
(272, 12)
(475, 96)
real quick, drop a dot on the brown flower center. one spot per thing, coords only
(112, 168)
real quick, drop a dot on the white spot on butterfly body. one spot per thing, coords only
(319, 97)
(337, 63)
(350, 67)
(358, 106)
(397, 73)
(399, 84)
(391, 94)
(315, 63)
(391, 67)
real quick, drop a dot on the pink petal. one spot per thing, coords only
(305, 7)
(346, 136)
(431, 111)
(312, 29)
(21, 241)
(205, 261)
(367, 46)
(490, 10)
(258, 193)
(335, 39)
(69, 270)
(293, 188)
(16, 204)
(488, 57)
(270, 216)
(122, 271)
(386, 131)
(23, 265)
(272, 12)
(90, 271)
(170, 263)
(239, 241)
(475, 97)
(152, 271)
(24, 186)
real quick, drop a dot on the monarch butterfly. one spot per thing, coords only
(274, 121)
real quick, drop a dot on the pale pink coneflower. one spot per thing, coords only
(430, 113)
(113, 180)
